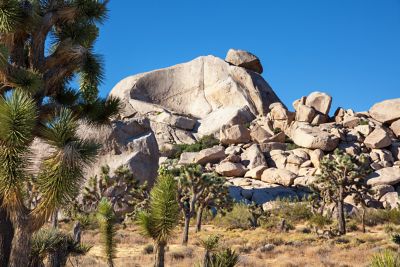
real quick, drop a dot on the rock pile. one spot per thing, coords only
(266, 151)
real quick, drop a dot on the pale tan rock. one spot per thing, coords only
(210, 155)
(253, 157)
(390, 200)
(313, 138)
(351, 122)
(321, 102)
(378, 138)
(363, 129)
(187, 158)
(304, 181)
(232, 158)
(278, 176)
(386, 111)
(385, 176)
(316, 157)
(244, 59)
(176, 120)
(279, 112)
(304, 113)
(230, 169)
(395, 127)
(259, 134)
(319, 119)
(233, 150)
(235, 134)
(256, 172)
(381, 190)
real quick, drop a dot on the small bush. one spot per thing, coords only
(352, 226)
(206, 141)
(181, 254)
(148, 249)
(385, 258)
(237, 218)
(375, 217)
(390, 228)
(293, 211)
(363, 122)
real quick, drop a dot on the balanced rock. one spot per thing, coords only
(230, 169)
(304, 113)
(253, 157)
(314, 138)
(386, 111)
(244, 59)
(379, 138)
(256, 172)
(385, 176)
(321, 102)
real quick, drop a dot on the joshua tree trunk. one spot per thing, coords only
(160, 255)
(6, 236)
(54, 219)
(199, 217)
(110, 262)
(185, 237)
(206, 259)
(340, 211)
(363, 219)
(21, 245)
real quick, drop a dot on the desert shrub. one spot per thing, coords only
(87, 221)
(375, 217)
(390, 228)
(225, 258)
(385, 258)
(181, 254)
(352, 226)
(238, 217)
(363, 122)
(206, 141)
(319, 221)
(148, 249)
(292, 210)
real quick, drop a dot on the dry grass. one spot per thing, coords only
(291, 249)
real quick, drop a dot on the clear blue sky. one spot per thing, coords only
(347, 48)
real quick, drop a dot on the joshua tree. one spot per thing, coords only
(192, 184)
(124, 192)
(52, 242)
(36, 102)
(225, 258)
(6, 233)
(210, 245)
(216, 195)
(342, 175)
(106, 218)
(256, 213)
(161, 218)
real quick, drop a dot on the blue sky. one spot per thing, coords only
(347, 48)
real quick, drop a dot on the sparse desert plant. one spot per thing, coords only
(55, 43)
(210, 245)
(319, 222)
(126, 194)
(257, 213)
(206, 141)
(385, 258)
(161, 218)
(148, 249)
(59, 245)
(225, 258)
(342, 175)
(292, 210)
(106, 218)
(238, 217)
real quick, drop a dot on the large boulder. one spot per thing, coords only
(244, 59)
(207, 89)
(230, 169)
(129, 142)
(235, 134)
(253, 157)
(395, 127)
(210, 155)
(314, 138)
(386, 111)
(321, 102)
(379, 138)
(278, 176)
(385, 176)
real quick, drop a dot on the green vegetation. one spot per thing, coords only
(386, 258)
(206, 141)
(160, 220)
(106, 218)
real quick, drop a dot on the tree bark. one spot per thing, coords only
(206, 259)
(363, 220)
(6, 236)
(199, 218)
(340, 211)
(185, 237)
(21, 246)
(160, 255)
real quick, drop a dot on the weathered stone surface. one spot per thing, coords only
(305, 181)
(351, 122)
(210, 155)
(187, 158)
(390, 200)
(233, 150)
(244, 59)
(256, 172)
(363, 129)
(314, 138)
(279, 112)
(176, 120)
(304, 113)
(316, 156)
(381, 190)
(235, 134)
(259, 134)
(395, 149)
(232, 158)
(230, 169)
(385, 176)
(379, 138)
(395, 126)
(386, 111)
(278, 176)
(321, 102)
(253, 157)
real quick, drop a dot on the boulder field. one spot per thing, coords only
(266, 151)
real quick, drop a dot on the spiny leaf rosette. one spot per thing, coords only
(44, 44)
